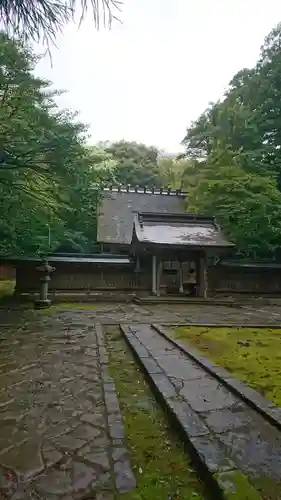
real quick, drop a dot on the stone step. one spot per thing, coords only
(177, 299)
(233, 446)
(237, 301)
(253, 398)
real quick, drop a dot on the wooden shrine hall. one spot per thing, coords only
(171, 249)
(182, 239)
(148, 244)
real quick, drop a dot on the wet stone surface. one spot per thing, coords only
(61, 431)
(224, 431)
(172, 313)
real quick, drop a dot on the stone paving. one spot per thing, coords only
(173, 313)
(224, 430)
(114, 313)
(61, 431)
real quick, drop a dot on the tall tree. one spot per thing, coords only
(248, 206)
(48, 178)
(136, 164)
(177, 172)
(83, 188)
(238, 143)
(247, 121)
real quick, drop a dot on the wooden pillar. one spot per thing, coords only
(201, 276)
(197, 275)
(159, 274)
(154, 275)
(180, 278)
(137, 270)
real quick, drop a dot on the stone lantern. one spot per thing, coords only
(45, 271)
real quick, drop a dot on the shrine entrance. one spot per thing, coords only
(179, 276)
(178, 247)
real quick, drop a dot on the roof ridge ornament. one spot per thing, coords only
(163, 191)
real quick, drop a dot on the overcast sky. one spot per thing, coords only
(150, 76)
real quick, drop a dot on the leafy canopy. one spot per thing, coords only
(49, 180)
(235, 146)
(136, 164)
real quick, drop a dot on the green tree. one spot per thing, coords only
(27, 184)
(136, 164)
(247, 121)
(49, 179)
(198, 138)
(177, 172)
(84, 188)
(236, 144)
(248, 206)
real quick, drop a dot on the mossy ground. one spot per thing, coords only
(251, 354)
(63, 306)
(160, 464)
(74, 305)
(236, 487)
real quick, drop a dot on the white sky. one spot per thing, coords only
(149, 77)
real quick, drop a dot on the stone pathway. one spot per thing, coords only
(227, 433)
(61, 431)
(112, 313)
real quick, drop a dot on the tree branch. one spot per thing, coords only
(42, 19)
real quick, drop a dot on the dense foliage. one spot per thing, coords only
(137, 164)
(49, 179)
(235, 146)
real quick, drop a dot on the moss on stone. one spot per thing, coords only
(269, 488)
(75, 305)
(63, 306)
(235, 486)
(251, 354)
(160, 464)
